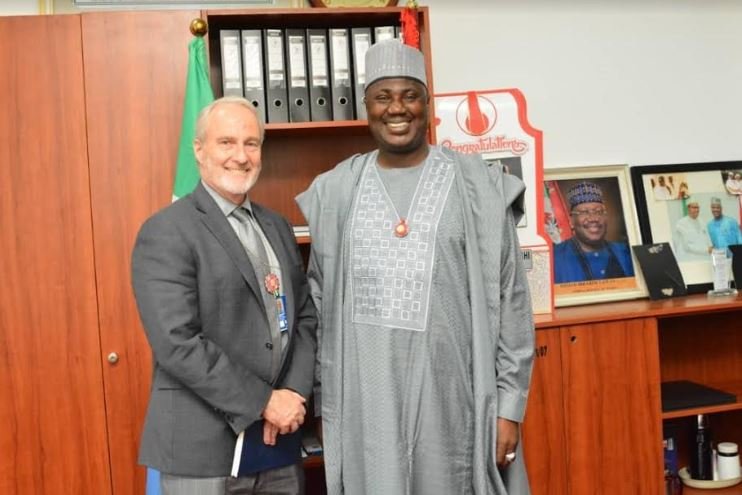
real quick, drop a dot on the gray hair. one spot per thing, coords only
(204, 114)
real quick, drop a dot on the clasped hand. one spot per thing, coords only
(283, 414)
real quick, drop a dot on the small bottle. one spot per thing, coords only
(700, 465)
(673, 485)
(728, 460)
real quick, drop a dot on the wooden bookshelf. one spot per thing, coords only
(295, 153)
(597, 379)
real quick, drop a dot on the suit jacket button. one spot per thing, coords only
(268, 345)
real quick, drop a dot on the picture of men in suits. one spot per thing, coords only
(225, 305)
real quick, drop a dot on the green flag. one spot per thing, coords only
(198, 94)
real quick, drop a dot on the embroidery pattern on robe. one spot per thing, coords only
(391, 276)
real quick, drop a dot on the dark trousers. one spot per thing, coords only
(287, 480)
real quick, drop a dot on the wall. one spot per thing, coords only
(68, 6)
(608, 81)
(26, 7)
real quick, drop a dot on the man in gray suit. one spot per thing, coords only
(225, 305)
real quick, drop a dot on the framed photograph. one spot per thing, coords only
(694, 207)
(589, 217)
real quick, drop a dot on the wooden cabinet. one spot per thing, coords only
(611, 408)
(606, 376)
(52, 409)
(543, 432)
(707, 349)
(135, 65)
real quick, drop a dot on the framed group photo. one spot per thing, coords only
(590, 220)
(694, 207)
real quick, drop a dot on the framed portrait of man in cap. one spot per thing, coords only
(703, 215)
(590, 220)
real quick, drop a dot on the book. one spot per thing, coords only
(684, 394)
(252, 455)
(310, 444)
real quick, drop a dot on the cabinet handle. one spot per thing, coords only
(113, 358)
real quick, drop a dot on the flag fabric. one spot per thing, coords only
(153, 482)
(198, 94)
(560, 227)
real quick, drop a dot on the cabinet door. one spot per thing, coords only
(543, 427)
(612, 407)
(52, 412)
(135, 68)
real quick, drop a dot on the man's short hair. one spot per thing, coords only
(203, 115)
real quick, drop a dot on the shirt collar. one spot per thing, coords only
(225, 205)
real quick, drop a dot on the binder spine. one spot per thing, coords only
(319, 75)
(229, 40)
(382, 33)
(253, 69)
(340, 74)
(275, 76)
(361, 42)
(296, 64)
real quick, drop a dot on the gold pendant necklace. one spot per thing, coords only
(402, 228)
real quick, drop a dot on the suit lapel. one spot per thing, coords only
(218, 225)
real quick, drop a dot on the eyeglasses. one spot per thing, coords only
(590, 212)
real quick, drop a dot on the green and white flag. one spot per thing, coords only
(198, 94)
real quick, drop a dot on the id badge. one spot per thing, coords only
(283, 322)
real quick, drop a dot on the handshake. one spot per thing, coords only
(283, 414)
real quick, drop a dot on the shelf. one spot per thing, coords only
(731, 387)
(640, 308)
(301, 18)
(339, 128)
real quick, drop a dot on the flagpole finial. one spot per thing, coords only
(198, 27)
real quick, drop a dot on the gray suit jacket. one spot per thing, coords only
(201, 307)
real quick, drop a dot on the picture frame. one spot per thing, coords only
(660, 216)
(590, 220)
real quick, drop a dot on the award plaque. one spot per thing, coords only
(494, 124)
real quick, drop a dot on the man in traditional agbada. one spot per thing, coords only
(426, 328)
(691, 237)
(587, 255)
(723, 230)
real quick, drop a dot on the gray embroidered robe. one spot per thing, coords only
(501, 330)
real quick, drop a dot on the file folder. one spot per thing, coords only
(296, 65)
(275, 76)
(319, 76)
(252, 455)
(340, 76)
(252, 69)
(382, 33)
(361, 41)
(229, 40)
